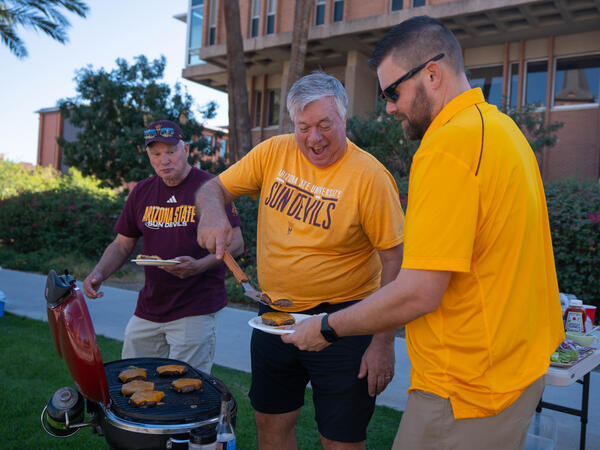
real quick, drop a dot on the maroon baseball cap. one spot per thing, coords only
(163, 131)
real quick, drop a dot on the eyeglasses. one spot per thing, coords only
(164, 132)
(389, 94)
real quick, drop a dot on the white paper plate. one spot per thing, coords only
(256, 322)
(155, 262)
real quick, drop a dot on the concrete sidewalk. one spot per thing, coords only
(25, 297)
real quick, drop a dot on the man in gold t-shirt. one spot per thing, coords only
(477, 290)
(329, 234)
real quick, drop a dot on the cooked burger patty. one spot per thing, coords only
(185, 385)
(277, 319)
(146, 399)
(171, 370)
(135, 386)
(133, 373)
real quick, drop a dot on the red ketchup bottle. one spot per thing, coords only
(575, 317)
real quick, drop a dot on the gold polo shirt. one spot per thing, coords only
(477, 208)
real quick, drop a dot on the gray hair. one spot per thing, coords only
(314, 87)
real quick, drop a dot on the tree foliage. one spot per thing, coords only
(111, 110)
(41, 15)
(382, 135)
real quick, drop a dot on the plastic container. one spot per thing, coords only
(575, 317)
(203, 439)
(542, 433)
(2, 303)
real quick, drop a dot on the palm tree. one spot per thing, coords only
(37, 14)
(240, 139)
(302, 16)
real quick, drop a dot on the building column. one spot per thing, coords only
(361, 84)
(283, 99)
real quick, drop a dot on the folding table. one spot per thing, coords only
(566, 376)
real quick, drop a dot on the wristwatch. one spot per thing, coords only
(328, 333)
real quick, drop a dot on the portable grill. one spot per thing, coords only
(125, 426)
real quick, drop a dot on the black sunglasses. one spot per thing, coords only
(389, 93)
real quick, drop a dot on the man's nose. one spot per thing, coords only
(390, 107)
(314, 135)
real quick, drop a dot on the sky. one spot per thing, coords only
(113, 29)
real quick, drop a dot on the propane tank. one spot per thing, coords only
(66, 407)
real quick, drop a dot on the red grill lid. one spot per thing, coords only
(75, 340)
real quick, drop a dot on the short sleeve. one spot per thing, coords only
(381, 214)
(441, 219)
(245, 177)
(126, 224)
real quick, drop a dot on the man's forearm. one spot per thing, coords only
(210, 197)
(112, 259)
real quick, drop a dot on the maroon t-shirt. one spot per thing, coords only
(166, 218)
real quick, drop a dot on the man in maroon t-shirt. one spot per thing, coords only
(175, 316)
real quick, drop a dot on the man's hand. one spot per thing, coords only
(91, 284)
(214, 233)
(186, 268)
(307, 335)
(378, 363)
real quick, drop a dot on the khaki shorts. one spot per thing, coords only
(428, 423)
(190, 339)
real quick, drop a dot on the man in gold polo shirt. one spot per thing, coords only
(477, 290)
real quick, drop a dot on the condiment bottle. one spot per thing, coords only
(225, 432)
(203, 439)
(575, 317)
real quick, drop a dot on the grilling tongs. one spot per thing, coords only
(249, 291)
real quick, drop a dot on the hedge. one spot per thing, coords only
(45, 212)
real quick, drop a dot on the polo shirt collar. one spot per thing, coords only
(454, 106)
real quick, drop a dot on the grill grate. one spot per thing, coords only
(196, 406)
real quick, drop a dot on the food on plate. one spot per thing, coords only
(132, 373)
(135, 386)
(185, 385)
(277, 319)
(564, 356)
(154, 257)
(146, 399)
(171, 370)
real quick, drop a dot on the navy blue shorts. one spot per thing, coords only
(280, 373)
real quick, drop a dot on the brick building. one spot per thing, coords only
(53, 125)
(524, 51)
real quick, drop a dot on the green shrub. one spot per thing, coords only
(60, 214)
(574, 212)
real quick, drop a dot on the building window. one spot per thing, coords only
(417, 3)
(212, 31)
(257, 108)
(271, 6)
(513, 86)
(223, 151)
(397, 5)
(320, 12)
(195, 24)
(338, 10)
(255, 17)
(489, 79)
(577, 80)
(274, 104)
(536, 79)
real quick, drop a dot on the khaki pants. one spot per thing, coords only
(190, 339)
(428, 423)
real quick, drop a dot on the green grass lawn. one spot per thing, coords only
(31, 371)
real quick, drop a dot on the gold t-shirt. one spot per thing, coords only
(318, 229)
(476, 207)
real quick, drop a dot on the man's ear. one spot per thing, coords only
(434, 74)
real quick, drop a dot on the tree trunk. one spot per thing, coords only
(302, 16)
(240, 139)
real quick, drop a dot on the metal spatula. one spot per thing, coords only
(249, 291)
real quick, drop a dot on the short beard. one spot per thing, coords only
(421, 108)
